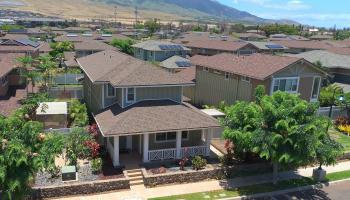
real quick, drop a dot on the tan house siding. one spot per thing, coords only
(173, 93)
(93, 97)
(189, 92)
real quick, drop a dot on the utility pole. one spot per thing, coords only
(136, 15)
(115, 16)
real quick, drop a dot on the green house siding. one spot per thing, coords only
(92, 95)
(193, 140)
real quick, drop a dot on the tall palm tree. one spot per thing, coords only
(26, 62)
(32, 75)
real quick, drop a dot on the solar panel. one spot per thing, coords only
(28, 42)
(163, 47)
(183, 64)
(274, 46)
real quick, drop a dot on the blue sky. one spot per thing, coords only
(324, 13)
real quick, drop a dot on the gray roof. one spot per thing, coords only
(154, 45)
(328, 59)
(152, 116)
(264, 45)
(122, 70)
(172, 62)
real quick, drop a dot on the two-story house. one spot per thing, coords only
(9, 72)
(158, 51)
(139, 108)
(228, 77)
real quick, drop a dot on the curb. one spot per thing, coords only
(279, 192)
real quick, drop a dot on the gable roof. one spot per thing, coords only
(257, 66)
(217, 44)
(92, 45)
(328, 59)
(152, 116)
(156, 45)
(123, 70)
(8, 62)
(174, 62)
(312, 44)
(267, 45)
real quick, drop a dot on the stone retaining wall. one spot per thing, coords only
(152, 180)
(74, 188)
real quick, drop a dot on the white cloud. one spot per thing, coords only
(290, 5)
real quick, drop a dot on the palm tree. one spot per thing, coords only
(26, 62)
(46, 66)
(32, 75)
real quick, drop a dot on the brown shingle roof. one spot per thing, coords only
(317, 45)
(257, 66)
(216, 44)
(152, 116)
(8, 62)
(339, 50)
(123, 70)
(92, 45)
(188, 74)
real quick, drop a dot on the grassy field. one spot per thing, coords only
(254, 189)
(341, 138)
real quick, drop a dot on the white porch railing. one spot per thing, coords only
(168, 154)
(162, 154)
(193, 151)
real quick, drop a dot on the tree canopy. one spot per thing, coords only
(280, 128)
(280, 28)
(125, 45)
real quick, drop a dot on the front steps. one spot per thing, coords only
(135, 176)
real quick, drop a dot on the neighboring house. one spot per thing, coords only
(213, 47)
(90, 47)
(175, 64)
(25, 46)
(75, 37)
(283, 37)
(188, 74)
(158, 51)
(336, 65)
(268, 47)
(192, 36)
(250, 36)
(9, 73)
(321, 37)
(139, 108)
(70, 60)
(228, 77)
(295, 46)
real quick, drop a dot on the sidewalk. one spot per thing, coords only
(140, 192)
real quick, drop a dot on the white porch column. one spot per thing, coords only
(178, 144)
(145, 147)
(209, 133)
(116, 151)
(129, 142)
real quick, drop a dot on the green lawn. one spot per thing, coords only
(254, 189)
(341, 138)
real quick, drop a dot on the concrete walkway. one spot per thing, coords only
(140, 192)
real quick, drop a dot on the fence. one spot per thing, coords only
(336, 111)
(66, 92)
(59, 130)
(68, 79)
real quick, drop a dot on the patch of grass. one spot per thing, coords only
(341, 138)
(254, 189)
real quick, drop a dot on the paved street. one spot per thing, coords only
(336, 191)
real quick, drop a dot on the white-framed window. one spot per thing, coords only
(289, 84)
(165, 137)
(170, 136)
(315, 88)
(227, 75)
(184, 135)
(130, 95)
(246, 79)
(110, 91)
(206, 69)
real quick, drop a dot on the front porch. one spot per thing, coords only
(149, 147)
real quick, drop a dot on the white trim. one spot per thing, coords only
(174, 140)
(227, 75)
(103, 96)
(245, 79)
(152, 100)
(319, 87)
(286, 78)
(127, 94)
(115, 92)
(123, 97)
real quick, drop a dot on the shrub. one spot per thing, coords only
(341, 121)
(96, 165)
(198, 163)
(160, 170)
(78, 113)
(76, 146)
(228, 158)
(182, 163)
